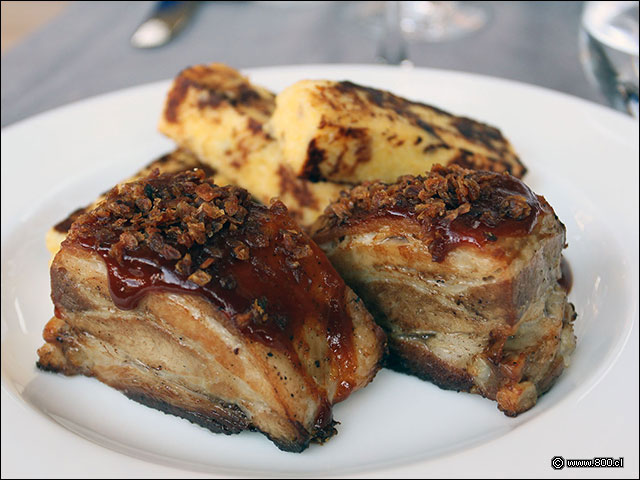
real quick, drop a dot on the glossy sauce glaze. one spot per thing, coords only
(285, 283)
(485, 221)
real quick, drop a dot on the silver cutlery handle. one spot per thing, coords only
(165, 21)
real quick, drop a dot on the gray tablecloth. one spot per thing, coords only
(85, 51)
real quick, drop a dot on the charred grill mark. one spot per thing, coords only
(176, 95)
(475, 161)
(362, 153)
(423, 125)
(432, 147)
(237, 163)
(254, 126)
(315, 156)
(351, 89)
(389, 101)
(384, 99)
(475, 132)
(296, 187)
(244, 95)
(480, 133)
(217, 86)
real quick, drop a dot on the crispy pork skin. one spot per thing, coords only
(194, 299)
(461, 269)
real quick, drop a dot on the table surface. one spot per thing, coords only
(85, 51)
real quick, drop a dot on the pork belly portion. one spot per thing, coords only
(176, 161)
(193, 299)
(348, 133)
(217, 113)
(461, 269)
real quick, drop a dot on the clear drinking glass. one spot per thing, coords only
(609, 51)
(424, 21)
(392, 46)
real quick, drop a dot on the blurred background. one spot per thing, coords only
(54, 53)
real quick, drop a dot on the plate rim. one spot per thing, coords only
(321, 66)
(7, 130)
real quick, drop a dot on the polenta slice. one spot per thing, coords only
(343, 132)
(219, 115)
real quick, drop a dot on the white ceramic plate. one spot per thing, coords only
(582, 157)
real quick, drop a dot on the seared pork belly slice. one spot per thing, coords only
(193, 299)
(348, 133)
(217, 113)
(461, 269)
(176, 161)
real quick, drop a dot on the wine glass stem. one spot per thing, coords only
(392, 48)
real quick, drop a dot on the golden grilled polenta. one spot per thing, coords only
(343, 132)
(305, 144)
(219, 115)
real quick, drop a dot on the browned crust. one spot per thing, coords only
(481, 133)
(219, 416)
(162, 214)
(475, 161)
(442, 195)
(219, 84)
(476, 132)
(297, 187)
(517, 377)
(51, 356)
(316, 156)
(234, 421)
(513, 391)
(167, 214)
(387, 100)
(556, 370)
(407, 357)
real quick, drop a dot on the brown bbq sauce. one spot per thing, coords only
(483, 223)
(268, 296)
